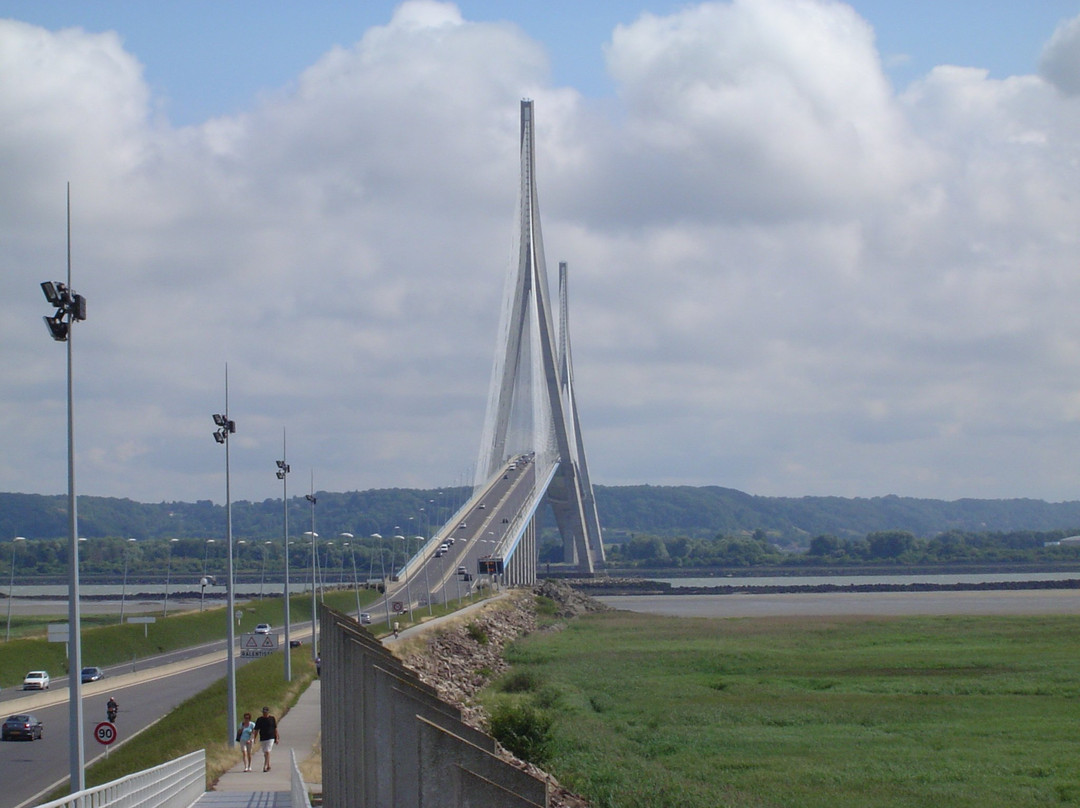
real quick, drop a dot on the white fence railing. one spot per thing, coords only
(176, 784)
(299, 790)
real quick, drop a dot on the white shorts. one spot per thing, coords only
(266, 746)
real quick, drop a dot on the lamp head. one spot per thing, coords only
(58, 329)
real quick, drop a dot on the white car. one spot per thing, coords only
(365, 619)
(262, 628)
(36, 680)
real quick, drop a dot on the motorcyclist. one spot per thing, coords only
(111, 708)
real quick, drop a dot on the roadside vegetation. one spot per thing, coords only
(114, 644)
(637, 711)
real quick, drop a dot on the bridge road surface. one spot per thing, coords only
(31, 769)
(476, 534)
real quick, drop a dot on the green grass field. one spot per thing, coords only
(650, 712)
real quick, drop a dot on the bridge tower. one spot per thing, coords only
(531, 405)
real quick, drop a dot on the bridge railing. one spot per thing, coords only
(299, 792)
(175, 784)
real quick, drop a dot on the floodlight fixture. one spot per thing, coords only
(219, 419)
(52, 294)
(58, 328)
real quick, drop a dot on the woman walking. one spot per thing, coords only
(244, 736)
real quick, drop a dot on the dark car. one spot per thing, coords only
(92, 674)
(21, 726)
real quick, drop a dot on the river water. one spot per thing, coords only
(845, 580)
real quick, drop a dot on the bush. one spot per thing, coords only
(477, 632)
(520, 681)
(523, 730)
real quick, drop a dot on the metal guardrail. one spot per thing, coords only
(175, 784)
(299, 792)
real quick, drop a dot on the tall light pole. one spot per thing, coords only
(314, 557)
(408, 590)
(262, 578)
(168, 575)
(282, 473)
(123, 589)
(70, 308)
(385, 580)
(225, 428)
(204, 580)
(427, 583)
(352, 554)
(11, 586)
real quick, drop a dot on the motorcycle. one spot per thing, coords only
(110, 711)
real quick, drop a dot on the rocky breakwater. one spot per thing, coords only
(462, 655)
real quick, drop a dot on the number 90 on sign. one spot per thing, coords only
(105, 732)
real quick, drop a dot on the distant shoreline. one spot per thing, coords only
(642, 586)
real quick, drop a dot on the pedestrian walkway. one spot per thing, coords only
(299, 732)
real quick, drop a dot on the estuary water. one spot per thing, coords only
(845, 580)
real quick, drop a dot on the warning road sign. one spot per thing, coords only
(257, 645)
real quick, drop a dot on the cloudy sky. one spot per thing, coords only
(815, 247)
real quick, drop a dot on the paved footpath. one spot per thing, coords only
(299, 732)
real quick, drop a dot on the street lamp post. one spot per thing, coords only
(205, 580)
(352, 555)
(324, 570)
(385, 580)
(282, 473)
(168, 575)
(11, 586)
(427, 582)
(225, 428)
(70, 308)
(314, 557)
(262, 578)
(123, 589)
(408, 590)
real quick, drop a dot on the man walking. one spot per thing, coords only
(266, 726)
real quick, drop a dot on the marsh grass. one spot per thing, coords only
(650, 712)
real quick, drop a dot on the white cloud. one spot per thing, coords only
(1060, 62)
(784, 278)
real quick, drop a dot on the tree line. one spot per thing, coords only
(887, 547)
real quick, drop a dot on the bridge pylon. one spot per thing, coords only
(531, 407)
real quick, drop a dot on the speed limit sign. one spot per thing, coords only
(105, 732)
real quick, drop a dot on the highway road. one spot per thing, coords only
(31, 769)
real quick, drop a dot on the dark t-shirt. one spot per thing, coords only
(266, 726)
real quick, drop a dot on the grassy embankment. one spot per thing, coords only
(650, 712)
(105, 642)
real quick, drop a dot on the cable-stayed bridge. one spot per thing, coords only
(532, 450)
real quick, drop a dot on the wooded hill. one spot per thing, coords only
(625, 511)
